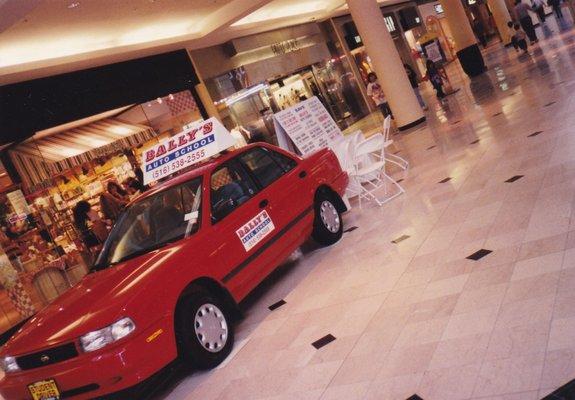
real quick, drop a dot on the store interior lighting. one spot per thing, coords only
(246, 93)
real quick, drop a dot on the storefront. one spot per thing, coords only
(405, 25)
(50, 169)
(253, 77)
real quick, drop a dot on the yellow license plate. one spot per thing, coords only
(44, 390)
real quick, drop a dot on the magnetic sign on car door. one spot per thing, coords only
(255, 230)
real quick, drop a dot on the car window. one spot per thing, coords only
(154, 221)
(265, 169)
(230, 188)
(285, 162)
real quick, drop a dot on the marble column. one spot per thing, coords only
(465, 42)
(386, 62)
(501, 16)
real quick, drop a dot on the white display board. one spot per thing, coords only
(191, 146)
(309, 126)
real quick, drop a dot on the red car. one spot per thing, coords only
(170, 276)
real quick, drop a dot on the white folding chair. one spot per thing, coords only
(392, 158)
(372, 175)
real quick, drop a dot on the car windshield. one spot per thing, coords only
(153, 222)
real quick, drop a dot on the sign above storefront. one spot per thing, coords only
(285, 47)
(191, 146)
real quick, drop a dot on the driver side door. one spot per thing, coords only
(241, 225)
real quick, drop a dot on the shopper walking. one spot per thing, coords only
(435, 78)
(522, 13)
(538, 8)
(519, 38)
(414, 84)
(556, 6)
(375, 91)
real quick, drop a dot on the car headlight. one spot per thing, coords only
(9, 364)
(97, 339)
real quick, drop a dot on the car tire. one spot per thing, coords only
(328, 224)
(204, 330)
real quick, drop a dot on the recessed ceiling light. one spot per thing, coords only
(74, 5)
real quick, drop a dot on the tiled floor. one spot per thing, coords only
(418, 316)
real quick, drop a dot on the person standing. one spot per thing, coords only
(479, 31)
(538, 8)
(375, 91)
(522, 13)
(435, 78)
(556, 5)
(414, 84)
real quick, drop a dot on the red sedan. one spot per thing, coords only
(170, 276)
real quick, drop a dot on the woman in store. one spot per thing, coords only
(113, 201)
(522, 13)
(81, 218)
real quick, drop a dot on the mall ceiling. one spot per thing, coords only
(45, 37)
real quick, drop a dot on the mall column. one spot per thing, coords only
(465, 42)
(501, 16)
(386, 62)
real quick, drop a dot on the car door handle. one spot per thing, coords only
(264, 203)
(302, 174)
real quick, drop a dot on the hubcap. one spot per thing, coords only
(329, 216)
(211, 328)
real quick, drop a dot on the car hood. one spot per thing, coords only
(96, 302)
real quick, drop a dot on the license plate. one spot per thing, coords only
(44, 390)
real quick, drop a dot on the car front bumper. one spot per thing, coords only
(102, 372)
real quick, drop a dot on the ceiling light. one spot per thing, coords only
(74, 5)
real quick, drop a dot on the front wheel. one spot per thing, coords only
(328, 225)
(204, 331)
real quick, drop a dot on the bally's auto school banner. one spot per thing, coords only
(197, 143)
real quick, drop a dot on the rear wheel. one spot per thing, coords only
(204, 331)
(328, 225)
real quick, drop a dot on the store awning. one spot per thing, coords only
(39, 159)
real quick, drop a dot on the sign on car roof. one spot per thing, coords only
(191, 146)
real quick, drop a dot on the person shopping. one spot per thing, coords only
(375, 91)
(414, 84)
(556, 6)
(522, 13)
(113, 201)
(435, 78)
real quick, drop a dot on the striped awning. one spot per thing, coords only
(39, 159)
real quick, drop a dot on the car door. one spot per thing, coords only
(286, 189)
(243, 225)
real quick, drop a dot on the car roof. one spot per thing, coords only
(198, 170)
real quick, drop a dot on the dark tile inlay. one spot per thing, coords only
(397, 152)
(565, 392)
(431, 147)
(351, 229)
(535, 134)
(549, 104)
(277, 304)
(400, 239)
(445, 180)
(399, 180)
(318, 344)
(514, 178)
(475, 141)
(498, 114)
(479, 254)
(456, 122)
(414, 397)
